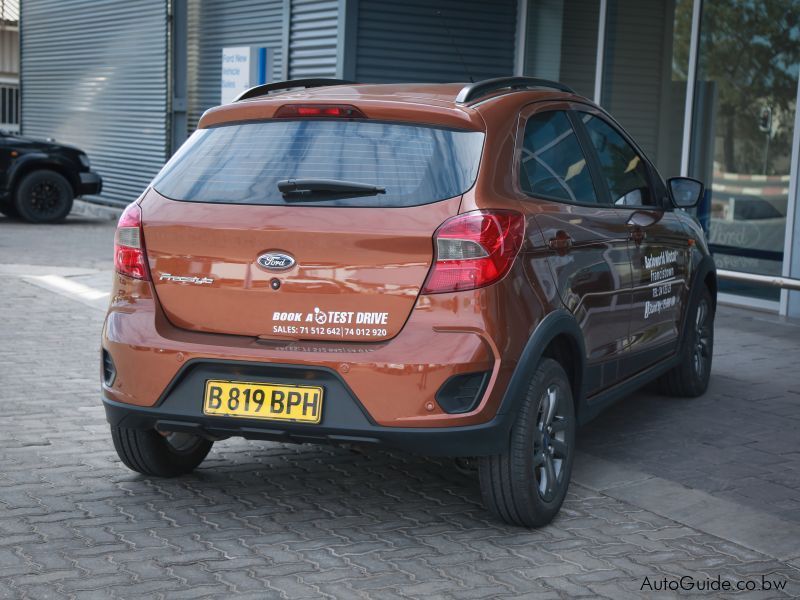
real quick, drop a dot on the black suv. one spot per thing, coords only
(39, 179)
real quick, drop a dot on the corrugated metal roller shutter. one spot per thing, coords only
(217, 24)
(95, 75)
(408, 41)
(312, 38)
(579, 45)
(561, 42)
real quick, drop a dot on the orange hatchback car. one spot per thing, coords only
(460, 270)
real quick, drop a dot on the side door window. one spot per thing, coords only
(623, 169)
(586, 238)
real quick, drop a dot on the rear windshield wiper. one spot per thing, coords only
(307, 187)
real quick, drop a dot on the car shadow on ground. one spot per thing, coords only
(336, 485)
(254, 479)
(341, 493)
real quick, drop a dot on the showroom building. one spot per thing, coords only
(708, 88)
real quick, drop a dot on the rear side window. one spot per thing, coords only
(553, 163)
(243, 163)
(624, 171)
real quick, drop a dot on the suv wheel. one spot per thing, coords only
(526, 485)
(689, 378)
(151, 453)
(43, 197)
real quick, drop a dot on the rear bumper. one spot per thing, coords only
(395, 381)
(384, 393)
(344, 419)
(90, 184)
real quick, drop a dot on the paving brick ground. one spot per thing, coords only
(267, 520)
(741, 440)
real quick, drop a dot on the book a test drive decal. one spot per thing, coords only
(331, 323)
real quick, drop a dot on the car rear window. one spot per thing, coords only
(242, 163)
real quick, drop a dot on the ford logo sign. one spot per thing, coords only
(275, 261)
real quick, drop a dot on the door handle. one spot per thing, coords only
(637, 222)
(561, 243)
(638, 235)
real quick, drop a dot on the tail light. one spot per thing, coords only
(474, 250)
(129, 254)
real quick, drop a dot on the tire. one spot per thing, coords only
(689, 378)
(43, 196)
(514, 484)
(150, 453)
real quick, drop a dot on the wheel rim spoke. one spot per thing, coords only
(45, 197)
(701, 316)
(549, 477)
(702, 346)
(560, 448)
(551, 404)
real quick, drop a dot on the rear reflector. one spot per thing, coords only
(129, 254)
(294, 111)
(474, 250)
(109, 370)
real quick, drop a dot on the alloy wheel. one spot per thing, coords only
(550, 448)
(701, 353)
(46, 197)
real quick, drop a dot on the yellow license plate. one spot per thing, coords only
(263, 401)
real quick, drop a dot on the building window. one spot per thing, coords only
(9, 106)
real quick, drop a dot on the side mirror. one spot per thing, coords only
(686, 192)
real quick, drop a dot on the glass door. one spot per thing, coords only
(743, 124)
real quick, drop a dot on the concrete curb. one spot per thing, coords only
(83, 208)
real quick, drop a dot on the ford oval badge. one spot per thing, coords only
(275, 261)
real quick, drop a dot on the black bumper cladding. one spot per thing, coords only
(344, 420)
(91, 184)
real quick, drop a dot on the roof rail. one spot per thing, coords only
(476, 90)
(266, 88)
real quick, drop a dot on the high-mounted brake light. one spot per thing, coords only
(474, 250)
(295, 111)
(129, 254)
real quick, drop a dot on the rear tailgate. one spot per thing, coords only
(355, 259)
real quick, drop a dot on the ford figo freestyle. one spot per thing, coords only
(469, 271)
